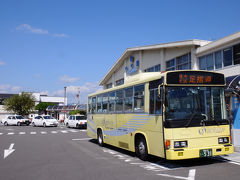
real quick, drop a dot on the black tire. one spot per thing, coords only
(18, 124)
(77, 126)
(100, 138)
(141, 148)
(33, 124)
(67, 125)
(5, 123)
(44, 125)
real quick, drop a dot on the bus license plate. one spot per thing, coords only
(205, 152)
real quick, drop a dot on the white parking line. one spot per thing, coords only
(43, 132)
(54, 132)
(1, 133)
(33, 133)
(22, 133)
(83, 139)
(72, 130)
(11, 133)
(64, 131)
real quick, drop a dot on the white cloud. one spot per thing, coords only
(67, 79)
(29, 28)
(6, 88)
(72, 91)
(2, 63)
(62, 35)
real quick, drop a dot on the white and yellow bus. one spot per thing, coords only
(173, 115)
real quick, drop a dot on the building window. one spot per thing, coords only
(236, 54)
(202, 63)
(183, 62)
(227, 57)
(156, 68)
(171, 65)
(218, 59)
(119, 82)
(108, 86)
(209, 61)
(179, 63)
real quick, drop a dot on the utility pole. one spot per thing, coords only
(78, 96)
(65, 94)
(65, 100)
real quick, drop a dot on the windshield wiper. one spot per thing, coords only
(193, 115)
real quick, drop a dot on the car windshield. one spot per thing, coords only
(47, 117)
(19, 117)
(80, 117)
(193, 106)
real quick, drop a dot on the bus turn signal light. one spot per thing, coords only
(167, 144)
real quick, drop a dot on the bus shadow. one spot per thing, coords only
(170, 164)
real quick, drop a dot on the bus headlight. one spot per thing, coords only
(180, 144)
(223, 140)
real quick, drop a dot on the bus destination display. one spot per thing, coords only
(193, 77)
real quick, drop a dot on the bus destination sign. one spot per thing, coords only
(195, 77)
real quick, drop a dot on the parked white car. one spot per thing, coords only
(44, 120)
(77, 121)
(15, 120)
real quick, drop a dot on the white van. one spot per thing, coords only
(77, 121)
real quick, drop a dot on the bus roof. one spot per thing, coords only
(150, 76)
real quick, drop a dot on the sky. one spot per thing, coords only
(46, 45)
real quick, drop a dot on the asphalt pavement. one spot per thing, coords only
(37, 153)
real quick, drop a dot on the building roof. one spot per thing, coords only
(129, 51)
(218, 43)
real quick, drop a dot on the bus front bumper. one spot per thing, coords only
(187, 153)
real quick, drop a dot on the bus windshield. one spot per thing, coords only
(194, 106)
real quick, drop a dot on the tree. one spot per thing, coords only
(42, 106)
(77, 112)
(20, 104)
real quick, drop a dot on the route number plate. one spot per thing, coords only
(205, 152)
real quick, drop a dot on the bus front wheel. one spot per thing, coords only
(141, 148)
(100, 138)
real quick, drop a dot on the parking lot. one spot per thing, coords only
(67, 153)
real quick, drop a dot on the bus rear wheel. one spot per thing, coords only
(141, 148)
(100, 138)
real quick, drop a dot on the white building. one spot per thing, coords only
(38, 98)
(222, 55)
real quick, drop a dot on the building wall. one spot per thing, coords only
(148, 58)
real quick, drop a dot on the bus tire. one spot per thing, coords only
(141, 148)
(100, 138)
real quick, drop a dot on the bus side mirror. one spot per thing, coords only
(160, 91)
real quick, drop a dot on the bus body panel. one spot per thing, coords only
(121, 128)
(198, 138)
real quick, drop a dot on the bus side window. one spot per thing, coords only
(89, 105)
(158, 103)
(139, 98)
(155, 104)
(112, 101)
(105, 103)
(119, 100)
(99, 103)
(93, 104)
